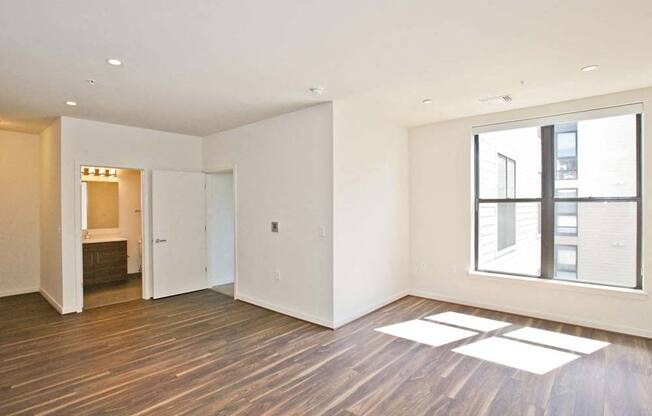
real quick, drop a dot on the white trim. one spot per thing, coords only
(369, 309)
(54, 303)
(22, 291)
(580, 287)
(619, 110)
(286, 311)
(535, 314)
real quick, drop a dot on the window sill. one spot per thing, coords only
(637, 294)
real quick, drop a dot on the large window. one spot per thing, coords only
(548, 192)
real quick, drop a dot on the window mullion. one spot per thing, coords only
(476, 185)
(547, 202)
(639, 212)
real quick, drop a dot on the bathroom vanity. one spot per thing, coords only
(105, 260)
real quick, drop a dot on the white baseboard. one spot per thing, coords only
(221, 282)
(284, 310)
(319, 321)
(18, 291)
(534, 314)
(54, 303)
(368, 309)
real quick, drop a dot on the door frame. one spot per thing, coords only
(234, 170)
(145, 224)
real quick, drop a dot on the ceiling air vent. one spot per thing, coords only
(497, 99)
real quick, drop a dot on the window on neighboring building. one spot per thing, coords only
(566, 212)
(566, 154)
(577, 188)
(566, 261)
(506, 186)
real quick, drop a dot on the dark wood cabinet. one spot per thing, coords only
(104, 262)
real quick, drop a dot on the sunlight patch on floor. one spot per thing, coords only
(425, 332)
(531, 358)
(468, 321)
(557, 340)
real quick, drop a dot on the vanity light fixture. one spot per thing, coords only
(101, 172)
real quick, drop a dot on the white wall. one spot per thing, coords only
(284, 173)
(371, 211)
(441, 218)
(103, 144)
(130, 216)
(50, 216)
(20, 162)
(220, 228)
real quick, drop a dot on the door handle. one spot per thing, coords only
(158, 240)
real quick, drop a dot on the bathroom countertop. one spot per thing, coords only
(102, 240)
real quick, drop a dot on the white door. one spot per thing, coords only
(178, 229)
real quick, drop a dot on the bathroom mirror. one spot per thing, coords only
(101, 203)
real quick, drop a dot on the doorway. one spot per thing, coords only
(111, 231)
(220, 232)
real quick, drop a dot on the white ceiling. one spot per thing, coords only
(201, 66)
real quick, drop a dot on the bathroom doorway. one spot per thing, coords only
(111, 231)
(220, 232)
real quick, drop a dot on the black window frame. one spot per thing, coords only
(547, 201)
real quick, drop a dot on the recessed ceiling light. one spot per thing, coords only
(71, 103)
(589, 68)
(316, 91)
(427, 101)
(114, 62)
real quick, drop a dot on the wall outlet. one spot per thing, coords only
(277, 275)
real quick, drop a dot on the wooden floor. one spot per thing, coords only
(206, 354)
(115, 292)
(226, 289)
